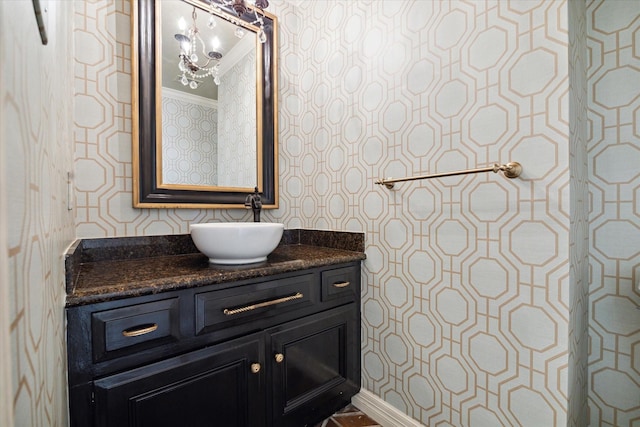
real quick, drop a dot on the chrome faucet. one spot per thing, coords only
(254, 202)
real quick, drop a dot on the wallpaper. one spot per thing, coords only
(475, 305)
(577, 375)
(189, 142)
(614, 219)
(466, 303)
(237, 129)
(36, 116)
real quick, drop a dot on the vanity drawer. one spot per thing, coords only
(216, 310)
(340, 283)
(129, 329)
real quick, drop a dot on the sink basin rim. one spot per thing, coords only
(233, 243)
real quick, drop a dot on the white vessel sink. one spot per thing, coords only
(236, 242)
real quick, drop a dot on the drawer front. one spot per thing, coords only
(340, 283)
(126, 330)
(216, 310)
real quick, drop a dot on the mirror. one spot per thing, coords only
(203, 139)
(208, 116)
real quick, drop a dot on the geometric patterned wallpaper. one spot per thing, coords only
(102, 124)
(467, 289)
(614, 227)
(237, 127)
(470, 313)
(577, 370)
(36, 133)
(189, 141)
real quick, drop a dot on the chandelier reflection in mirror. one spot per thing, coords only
(192, 69)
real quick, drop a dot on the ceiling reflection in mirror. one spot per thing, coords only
(209, 79)
(204, 97)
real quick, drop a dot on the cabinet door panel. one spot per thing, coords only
(319, 371)
(314, 363)
(210, 387)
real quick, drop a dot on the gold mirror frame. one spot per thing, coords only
(147, 190)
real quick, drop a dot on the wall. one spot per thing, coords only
(475, 289)
(237, 129)
(468, 287)
(577, 376)
(189, 139)
(614, 219)
(6, 401)
(36, 115)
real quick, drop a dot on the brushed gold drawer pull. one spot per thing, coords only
(136, 331)
(233, 311)
(255, 368)
(341, 284)
(279, 357)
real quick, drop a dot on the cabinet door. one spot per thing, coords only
(315, 366)
(215, 386)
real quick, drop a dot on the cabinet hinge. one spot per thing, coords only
(93, 397)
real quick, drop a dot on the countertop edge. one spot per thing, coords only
(185, 281)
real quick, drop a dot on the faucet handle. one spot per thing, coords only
(257, 199)
(253, 200)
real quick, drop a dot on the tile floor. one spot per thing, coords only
(350, 416)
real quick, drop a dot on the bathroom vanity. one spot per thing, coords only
(172, 340)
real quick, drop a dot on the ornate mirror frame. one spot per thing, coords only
(147, 193)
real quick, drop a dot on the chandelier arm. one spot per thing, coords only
(204, 47)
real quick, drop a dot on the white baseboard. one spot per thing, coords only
(381, 411)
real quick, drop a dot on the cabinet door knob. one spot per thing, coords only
(279, 357)
(255, 368)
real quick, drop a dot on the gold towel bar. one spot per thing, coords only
(511, 170)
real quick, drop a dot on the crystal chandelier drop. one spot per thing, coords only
(191, 44)
(241, 7)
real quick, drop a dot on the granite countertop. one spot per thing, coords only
(99, 270)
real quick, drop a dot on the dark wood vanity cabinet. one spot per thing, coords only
(313, 366)
(220, 383)
(269, 352)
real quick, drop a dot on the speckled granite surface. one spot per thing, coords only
(105, 269)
